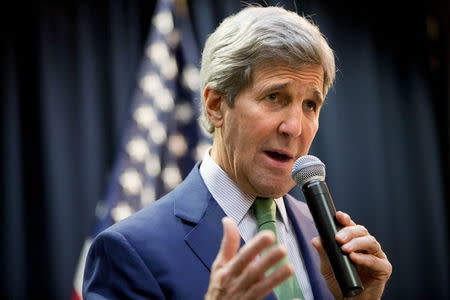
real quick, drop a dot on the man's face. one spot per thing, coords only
(272, 123)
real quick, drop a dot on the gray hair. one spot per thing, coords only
(253, 36)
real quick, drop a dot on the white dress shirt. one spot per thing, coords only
(236, 204)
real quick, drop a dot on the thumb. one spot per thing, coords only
(325, 266)
(317, 243)
(230, 240)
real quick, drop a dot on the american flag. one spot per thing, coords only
(163, 140)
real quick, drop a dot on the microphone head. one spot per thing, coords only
(307, 168)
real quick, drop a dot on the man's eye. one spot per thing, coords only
(311, 105)
(272, 97)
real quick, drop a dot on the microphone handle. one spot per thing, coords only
(320, 203)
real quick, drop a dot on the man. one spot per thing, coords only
(265, 74)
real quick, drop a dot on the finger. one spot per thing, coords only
(267, 284)
(224, 272)
(344, 219)
(348, 233)
(256, 270)
(249, 251)
(230, 243)
(228, 248)
(379, 267)
(365, 244)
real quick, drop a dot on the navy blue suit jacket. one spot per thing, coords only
(165, 251)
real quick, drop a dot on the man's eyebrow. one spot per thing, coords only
(318, 96)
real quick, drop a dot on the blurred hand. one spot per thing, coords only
(240, 274)
(364, 250)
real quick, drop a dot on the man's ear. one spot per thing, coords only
(214, 106)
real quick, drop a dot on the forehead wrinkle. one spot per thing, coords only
(289, 75)
(267, 78)
(268, 87)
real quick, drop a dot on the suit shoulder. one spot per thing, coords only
(148, 218)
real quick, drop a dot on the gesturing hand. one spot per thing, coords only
(240, 274)
(371, 262)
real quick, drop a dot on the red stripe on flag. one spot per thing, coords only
(75, 296)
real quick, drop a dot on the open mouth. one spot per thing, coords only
(278, 156)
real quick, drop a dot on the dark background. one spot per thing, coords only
(68, 73)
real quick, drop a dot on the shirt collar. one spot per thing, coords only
(282, 210)
(234, 202)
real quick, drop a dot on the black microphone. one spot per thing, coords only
(309, 173)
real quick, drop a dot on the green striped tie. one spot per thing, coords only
(265, 210)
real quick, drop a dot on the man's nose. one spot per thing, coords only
(291, 124)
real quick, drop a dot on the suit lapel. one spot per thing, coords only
(202, 216)
(205, 238)
(305, 231)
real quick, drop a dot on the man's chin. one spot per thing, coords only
(274, 190)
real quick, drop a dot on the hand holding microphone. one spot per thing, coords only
(372, 267)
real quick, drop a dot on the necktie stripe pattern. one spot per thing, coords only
(265, 212)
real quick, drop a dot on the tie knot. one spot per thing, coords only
(265, 210)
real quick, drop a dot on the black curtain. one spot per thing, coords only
(68, 72)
